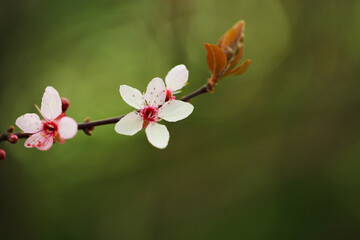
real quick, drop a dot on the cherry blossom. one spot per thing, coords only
(175, 80)
(152, 108)
(55, 126)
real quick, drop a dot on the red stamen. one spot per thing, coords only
(60, 116)
(168, 95)
(149, 114)
(50, 127)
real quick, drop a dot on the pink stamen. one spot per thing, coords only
(149, 114)
(50, 127)
(168, 95)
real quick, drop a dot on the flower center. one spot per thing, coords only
(50, 127)
(149, 114)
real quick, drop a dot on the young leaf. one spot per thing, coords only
(240, 69)
(216, 59)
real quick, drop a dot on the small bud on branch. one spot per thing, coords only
(11, 129)
(13, 139)
(65, 103)
(2, 154)
(88, 130)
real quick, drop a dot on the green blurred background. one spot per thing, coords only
(271, 154)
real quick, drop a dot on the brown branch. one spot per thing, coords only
(203, 89)
(5, 136)
(87, 126)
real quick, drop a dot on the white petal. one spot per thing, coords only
(67, 128)
(177, 78)
(39, 140)
(175, 110)
(158, 135)
(132, 96)
(130, 124)
(29, 123)
(156, 92)
(51, 104)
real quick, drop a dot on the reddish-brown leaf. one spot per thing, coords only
(229, 42)
(240, 69)
(216, 59)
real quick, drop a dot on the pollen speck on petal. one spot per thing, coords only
(29, 123)
(155, 92)
(132, 96)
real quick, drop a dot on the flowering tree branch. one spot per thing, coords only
(157, 103)
(88, 126)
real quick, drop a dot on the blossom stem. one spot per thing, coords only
(203, 89)
(89, 125)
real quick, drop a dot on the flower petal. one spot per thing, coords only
(156, 92)
(29, 123)
(67, 128)
(177, 78)
(175, 110)
(40, 140)
(51, 104)
(130, 124)
(132, 96)
(158, 135)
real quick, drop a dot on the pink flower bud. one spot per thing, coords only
(13, 139)
(65, 104)
(2, 154)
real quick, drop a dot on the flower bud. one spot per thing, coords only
(2, 154)
(13, 139)
(65, 104)
(11, 129)
(233, 40)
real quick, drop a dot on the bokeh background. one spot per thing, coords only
(271, 154)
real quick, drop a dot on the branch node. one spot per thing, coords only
(88, 130)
